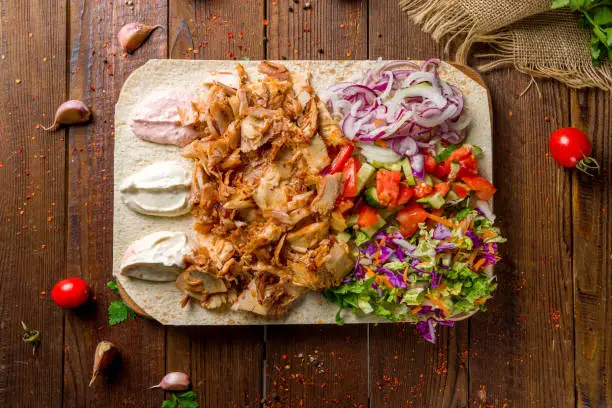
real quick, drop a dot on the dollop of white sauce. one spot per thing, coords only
(161, 189)
(157, 257)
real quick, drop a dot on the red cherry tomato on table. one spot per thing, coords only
(70, 293)
(571, 148)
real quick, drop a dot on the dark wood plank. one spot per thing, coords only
(225, 363)
(315, 366)
(404, 369)
(592, 254)
(32, 215)
(521, 350)
(97, 71)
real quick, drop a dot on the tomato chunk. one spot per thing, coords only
(442, 170)
(422, 189)
(483, 188)
(442, 188)
(460, 153)
(350, 177)
(368, 216)
(430, 164)
(405, 194)
(341, 158)
(461, 189)
(409, 219)
(469, 167)
(387, 186)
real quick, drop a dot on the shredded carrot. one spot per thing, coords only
(472, 223)
(491, 247)
(406, 274)
(369, 272)
(377, 123)
(416, 310)
(479, 264)
(381, 143)
(384, 280)
(438, 303)
(441, 220)
(463, 225)
(479, 301)
(472, 257)
(488, 234)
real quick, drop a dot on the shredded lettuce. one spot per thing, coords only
(361, 237)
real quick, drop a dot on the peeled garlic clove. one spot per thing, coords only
(105, 353)
(174, 381)
(132, 35)
(70, 113)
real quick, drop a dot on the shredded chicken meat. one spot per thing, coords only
(264, 211)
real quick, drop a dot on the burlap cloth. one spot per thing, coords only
(524, 33)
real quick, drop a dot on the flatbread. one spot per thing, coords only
(162, 300)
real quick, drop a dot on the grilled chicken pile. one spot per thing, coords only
(264, 211)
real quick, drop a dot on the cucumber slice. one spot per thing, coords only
(352, 220)
(364, 175)
(476, 150)
(455, 167)
(407, 168)
(429, 180)
(371, 197)
(435, 200)
(343, 237)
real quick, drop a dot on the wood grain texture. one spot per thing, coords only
(32, 203)
(521, 350)
(404, 369)
(98, 68)
(315, 366)
(592, 260)
(225, 363)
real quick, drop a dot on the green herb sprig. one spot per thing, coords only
(118, 311)
(597, 16)
(185, 400)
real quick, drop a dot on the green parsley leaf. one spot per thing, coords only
(119, 312)
(463, 213)
(188, 396)
(169, 404)
(112, 285)
(185, 400)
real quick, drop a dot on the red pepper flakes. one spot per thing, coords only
(265, 22)
(240, 35)
(30, 35)
(342, 25)
(43, 293)
(230, 35)
(348, 54)
(43, 246)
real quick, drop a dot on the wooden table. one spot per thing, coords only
(546, 340)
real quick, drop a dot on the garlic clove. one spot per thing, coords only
(104, 355)
(174, 381)
(70, 112)
(132, 35)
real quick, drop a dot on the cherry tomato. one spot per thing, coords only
(341, 158)
(571, 148)
(350, 177)
(460, 153)
(367, 216)
(469, 166)
(388, 186)
(409, 219)
(484, 190)
(70, 293)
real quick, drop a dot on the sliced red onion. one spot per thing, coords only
(379, 154)
(417, 163)
(404, 146)
(452, 137)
